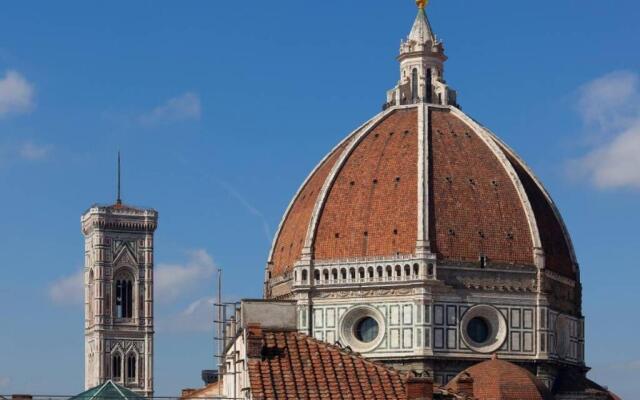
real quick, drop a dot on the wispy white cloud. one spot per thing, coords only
(608, 101)
(233, 192)
(69, 290)
(171, 280)
(196, 317)
(4, 381)
(16, 94)
(174, 280)
(16, 152)
(184, 107)
(610, 107)
(633, 365)
(32, 151)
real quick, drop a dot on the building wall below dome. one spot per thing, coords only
(426, 324)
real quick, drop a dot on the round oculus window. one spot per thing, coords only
(366, 330)
(362, 328)
(479, 330)
(483, 328)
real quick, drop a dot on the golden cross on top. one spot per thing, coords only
(422, 4)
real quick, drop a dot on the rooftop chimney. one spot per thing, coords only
(187, 392)
(419, 388)
(254, 341)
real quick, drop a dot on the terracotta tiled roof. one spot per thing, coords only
(208, 392)
(288, 245)
(482, 199)
(371, 209)
(476, 208)
(295, 366)
(572, 381)
(499, 379)
(556, 248)
(613, 396)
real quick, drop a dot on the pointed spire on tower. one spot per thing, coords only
(421, 32)
(119, 198)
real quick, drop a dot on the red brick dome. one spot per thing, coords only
(498, 379)
(427, 176)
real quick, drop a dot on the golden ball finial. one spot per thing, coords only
(422, 3)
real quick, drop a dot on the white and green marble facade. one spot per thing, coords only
(421, 309)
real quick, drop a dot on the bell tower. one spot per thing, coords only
(118, 281)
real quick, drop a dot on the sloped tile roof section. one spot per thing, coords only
(295, 366)
(371, 208)
(288, 245)
(476, 208)
(555, 241)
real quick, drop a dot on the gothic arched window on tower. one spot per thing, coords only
(124, 297)
(116, 367)
(131, 366)
(414, 85)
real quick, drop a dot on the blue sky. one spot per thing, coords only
(222, 108)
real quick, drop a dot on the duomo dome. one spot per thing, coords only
(423, 178)
(423, 241)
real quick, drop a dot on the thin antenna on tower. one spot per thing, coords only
(119, 200)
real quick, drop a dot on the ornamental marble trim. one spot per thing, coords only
(422, 242)
(363, 293)
(559, 278)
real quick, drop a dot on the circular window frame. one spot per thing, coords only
(497, 324)
(349, 322)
